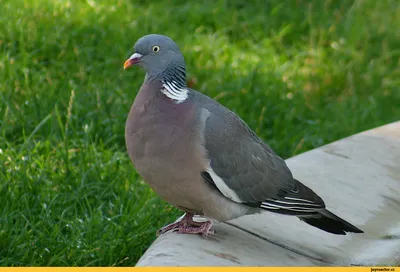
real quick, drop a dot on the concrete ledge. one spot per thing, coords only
(358, 178)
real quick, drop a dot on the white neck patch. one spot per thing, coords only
(175, 93)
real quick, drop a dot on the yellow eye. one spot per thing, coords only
(156, 48)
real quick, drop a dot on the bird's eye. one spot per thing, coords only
(156, 48)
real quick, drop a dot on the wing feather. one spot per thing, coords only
(249, 169)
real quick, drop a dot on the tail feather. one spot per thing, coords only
(329, 222)
(304, 203)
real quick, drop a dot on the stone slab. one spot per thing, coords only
(359, 179)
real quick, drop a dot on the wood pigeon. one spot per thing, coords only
(202, 158)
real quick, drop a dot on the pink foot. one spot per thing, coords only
(204, 229)
(187, 225)
(165, 229)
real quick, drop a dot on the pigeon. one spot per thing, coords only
(203, 158)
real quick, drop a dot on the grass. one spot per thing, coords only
(301, 73)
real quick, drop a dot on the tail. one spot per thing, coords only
(327, 221)
(310, 208)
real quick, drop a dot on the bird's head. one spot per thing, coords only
(156, 54)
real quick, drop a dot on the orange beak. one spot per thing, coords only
(134, 59)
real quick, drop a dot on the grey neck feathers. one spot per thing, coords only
(176, 74)
(174, 82)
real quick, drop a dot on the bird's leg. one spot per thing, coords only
(204, 229)
(186, 220)
(187, 225)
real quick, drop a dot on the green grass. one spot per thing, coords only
(301, 73)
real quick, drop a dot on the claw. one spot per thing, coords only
(173, 227)
(187, 225)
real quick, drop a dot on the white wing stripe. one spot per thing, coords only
(222, 187)
(296, 203)
(286, 207)
(293, 198)
(295, 209)
(267, 205)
